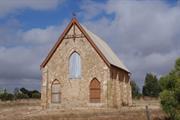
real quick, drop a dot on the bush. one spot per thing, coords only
(170, 95)
(36, 95)
(6, 96)
(31, 94)
(135, 90)
(21, 96)
(169, 103)
(177, 91)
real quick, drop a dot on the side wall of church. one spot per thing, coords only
(119, 89)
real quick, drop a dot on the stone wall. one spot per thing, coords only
(115, 85)
(119, 89)
(74, 93)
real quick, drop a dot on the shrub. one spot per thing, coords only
(21, 96)
(135, 90)
(170, 95)
(6, 96)
(36, 95)
(169, 103)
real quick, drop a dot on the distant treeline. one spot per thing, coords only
(21, 93)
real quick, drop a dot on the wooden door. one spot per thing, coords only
(95, 91)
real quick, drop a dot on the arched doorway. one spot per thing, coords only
(95, 91)
(55, 92)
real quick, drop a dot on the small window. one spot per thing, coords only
(55, 92)
(75, 65)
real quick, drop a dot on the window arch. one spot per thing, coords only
(75, 65)
(55, 92)
(95, 91)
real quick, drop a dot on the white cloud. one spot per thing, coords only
(21, 61)
(145, 34)
(37, 35)
(9, 6)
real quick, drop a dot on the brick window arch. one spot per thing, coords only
(55, 92)
(95, 91)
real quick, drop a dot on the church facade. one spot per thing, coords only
(81, 70)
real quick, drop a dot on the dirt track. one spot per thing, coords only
(30, 110)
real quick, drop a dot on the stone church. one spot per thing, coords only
(81, 70)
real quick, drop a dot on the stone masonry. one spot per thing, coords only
(115, 83)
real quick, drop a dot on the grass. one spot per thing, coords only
(31, 110)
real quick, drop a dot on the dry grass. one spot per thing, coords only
(30, 110)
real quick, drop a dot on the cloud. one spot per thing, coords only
(11, 6)
(17, 64)
(145, 34)
(22, 52)
(40, 36)
(91, 9)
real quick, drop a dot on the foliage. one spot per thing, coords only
(151, 87)
(25, 91)
(170, 95)
(6, 96)
(31, 94)
(19, 94)
(36, 95)
(135, 90)
(22, 96)
(169, 103)
(177, 90)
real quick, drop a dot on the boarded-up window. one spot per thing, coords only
(55, 92)
(95, 91)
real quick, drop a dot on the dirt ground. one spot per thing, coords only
(31, 110)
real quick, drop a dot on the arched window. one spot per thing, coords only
(55, 92)
(75, 65)
(95, 91)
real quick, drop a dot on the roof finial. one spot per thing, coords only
(74, 15)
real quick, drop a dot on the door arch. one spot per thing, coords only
(95, 91)
(55, 92)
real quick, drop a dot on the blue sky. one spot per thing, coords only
(143, 33)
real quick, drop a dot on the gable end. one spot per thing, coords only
(73, 22)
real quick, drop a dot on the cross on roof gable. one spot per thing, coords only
(97, 43)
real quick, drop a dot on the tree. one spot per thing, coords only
(36, 95)
(135, 90)
(24, 90)
(151, 86)
(6, 96)
(169, 103)
(19, 95)
(30, 94)
(22, 93)
(170, 95)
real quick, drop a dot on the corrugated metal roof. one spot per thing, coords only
(106, 50)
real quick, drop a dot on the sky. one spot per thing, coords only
(145, 34)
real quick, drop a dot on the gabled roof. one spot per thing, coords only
(106, 50)
(99, 45)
